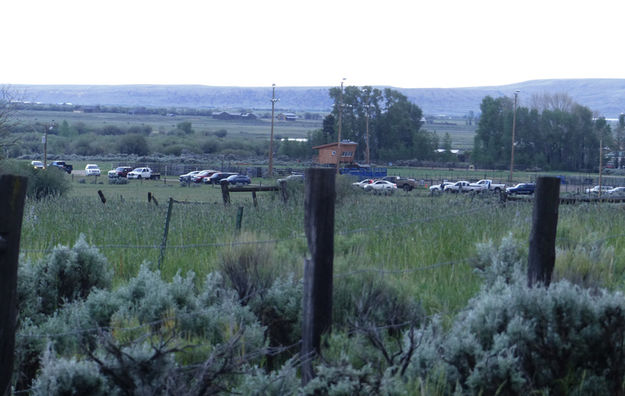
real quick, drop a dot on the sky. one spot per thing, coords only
(404, 44)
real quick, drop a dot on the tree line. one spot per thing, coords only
(394, 124)
(552, 133)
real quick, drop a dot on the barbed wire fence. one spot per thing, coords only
(295, 235)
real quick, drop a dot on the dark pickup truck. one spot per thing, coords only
(402, 182)
(62, 165)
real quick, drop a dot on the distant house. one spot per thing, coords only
(249, 116)
(328, 152)
(224, 115)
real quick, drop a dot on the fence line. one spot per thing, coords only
(270, 241)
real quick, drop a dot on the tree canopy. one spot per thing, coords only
(394, 124)
(560, 134)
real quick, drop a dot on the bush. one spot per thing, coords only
(277, 382)
(69, 377)
(247, 267)
(41, 183)
(133, 144)
(512, 339)
(67, 274)
(118, 180)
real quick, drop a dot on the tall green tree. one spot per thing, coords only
(7, 121)
(559, 137)
(491, 145)
(394, 123)
(619, 139)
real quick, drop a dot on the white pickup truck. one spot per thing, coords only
(486, 185)
(143, 173)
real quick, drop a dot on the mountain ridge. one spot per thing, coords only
(605, 96)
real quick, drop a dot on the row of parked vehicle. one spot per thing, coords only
(606, 190)
(209, 176)
(137, 173)
(464, 186)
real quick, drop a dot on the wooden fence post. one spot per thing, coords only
(319, 201)
(225, 192)
(165, 232)
(254, 199)
(542, 251)
(239, 220)
(12, 194)
(283, 190)
(102, 198)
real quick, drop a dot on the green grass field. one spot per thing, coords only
(244, 129)
(424, 243)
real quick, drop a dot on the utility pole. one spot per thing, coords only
(600, 162)
(273, 104)
(339, 153)
(516, 93)
(367, 106)
(45, 145)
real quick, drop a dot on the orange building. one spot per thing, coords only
(328, 152)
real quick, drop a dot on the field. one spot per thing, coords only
(257, 129)
(461, 134)
(424, 243)
(417, 279)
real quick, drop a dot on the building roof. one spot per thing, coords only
(343, 143)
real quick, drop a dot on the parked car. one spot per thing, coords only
(295, 177)
(595, 189)
(92, 170)
(203, 175)
(486, 185)
(36, 164)
(62, 165)
(381, 186)
(402, 182)
(522, 188)
(238, 179)
(616, 191)
(459, 186)
(187, 176)
(120, 171)
(216, 177)
(143, 173)
(437, 188)
(363, 183)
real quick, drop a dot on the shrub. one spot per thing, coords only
(61, 376)
(133, 144)
(118, 180)
(247, 267)
(279, 309)
(68, 274)
(343, 379)
(209, 146)
(512, 339)
(371, 300)
(505, 263)
(41, 183)
(278, 382)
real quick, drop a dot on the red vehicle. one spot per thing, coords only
(120, 171)
(199, 178)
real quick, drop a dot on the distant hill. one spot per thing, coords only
(606, 96)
